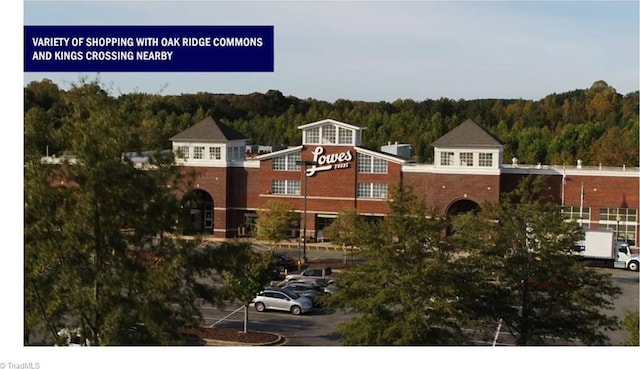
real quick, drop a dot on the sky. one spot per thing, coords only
(357, 50)
(383, 50)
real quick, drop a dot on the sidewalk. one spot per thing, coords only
(317, 253)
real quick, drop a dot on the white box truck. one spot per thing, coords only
(601, 245)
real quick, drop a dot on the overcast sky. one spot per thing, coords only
(374, 50)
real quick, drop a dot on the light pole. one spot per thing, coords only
(305, 164)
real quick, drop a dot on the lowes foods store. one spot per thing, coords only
(330, 172)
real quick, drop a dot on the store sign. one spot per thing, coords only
(326, 162)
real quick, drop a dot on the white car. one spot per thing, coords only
(283, 300)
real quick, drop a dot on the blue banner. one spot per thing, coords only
(149, 49)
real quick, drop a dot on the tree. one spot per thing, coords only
(405, 292)
(631, 324)
(97, 251)
(526, 275)
(275, 220)
(247, 274)
(344, 229)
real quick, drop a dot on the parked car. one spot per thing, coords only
(283, 300)
(310, 274)
(327, 286)
(311, 291)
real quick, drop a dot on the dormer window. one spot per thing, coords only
(183, 152)
(486, 159)
(446, 158)
(215, 153)
(198, 152)
(466, 159)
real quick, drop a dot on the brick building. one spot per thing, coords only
(330, 172)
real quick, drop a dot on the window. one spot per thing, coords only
(345, 136)
(486, 159)
(198, 152)
(285, 187)
(372, 190)
(623, 221)
(573, 213)
(446, 158)
(238, 153)
(287, 162)
(466, 159)
(328, 134)
(183, 152)
(215, 153)
(313, 135)
(370, 164)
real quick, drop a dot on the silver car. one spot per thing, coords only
(283, 300)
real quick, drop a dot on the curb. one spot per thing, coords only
(277, 342)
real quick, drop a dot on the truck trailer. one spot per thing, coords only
(601, 245)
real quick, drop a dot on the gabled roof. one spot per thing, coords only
(468, 134)
(208, 130)
(331, 121)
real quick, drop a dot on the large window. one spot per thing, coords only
(313, 135)
(372, 190)
(446, 158)
(198, 152)
(287, 162)
(370, 164)
(285, 187)
(345, 136)
(574, 213)
(466, 159)
(215, 153)
(623, 221)
(485, 159)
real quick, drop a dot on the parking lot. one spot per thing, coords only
(318, 328)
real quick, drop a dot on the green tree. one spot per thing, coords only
(275, 220)
(525, 273)
(405, 292)
(97, 255)
(344, 229)
(631, 324)
(247, 274)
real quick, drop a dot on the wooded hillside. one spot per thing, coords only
(597, 125)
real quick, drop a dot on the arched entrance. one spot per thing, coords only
(459, 207)
(197, 207)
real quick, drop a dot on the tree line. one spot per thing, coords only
(597, 124)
